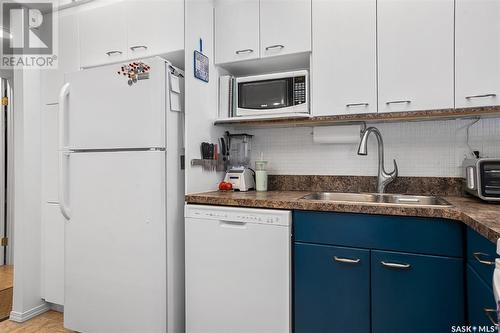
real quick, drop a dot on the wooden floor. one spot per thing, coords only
(6, 283)
(49, 322)
(6, 277)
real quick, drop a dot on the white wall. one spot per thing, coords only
(201, 98)
(432, 148)
(27, 208)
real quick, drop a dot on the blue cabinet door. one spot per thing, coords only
(480, 300)
(415, 293)
(481, 254)
(331, 289)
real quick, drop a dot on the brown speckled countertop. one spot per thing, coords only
(482, 217)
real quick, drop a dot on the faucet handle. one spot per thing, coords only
(394, 174)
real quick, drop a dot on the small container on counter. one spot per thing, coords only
(261, 175)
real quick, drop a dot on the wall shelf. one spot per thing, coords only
(427, 115)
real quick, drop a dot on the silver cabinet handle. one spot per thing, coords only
(395, 265)
(478, 255)
(347, 260)
(481, 96)
(277, 46)
(111, 53)
(244, 51)
(133, 48)
(356, 104)
(488, 313)
(398, 102)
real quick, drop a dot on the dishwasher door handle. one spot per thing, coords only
(232, 224)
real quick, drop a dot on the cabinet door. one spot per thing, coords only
(69, 59)
(415, 54)
(344, 70)
(331, 289)
(103, 36)
(50, 155)
(416, 293)
(53, 253)
(285, 27)
(480, 300)
(481, 254)
(477, 53)
(236, 30)
(157, 28)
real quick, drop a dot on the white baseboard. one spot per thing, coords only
(21, 317)
(56, 307)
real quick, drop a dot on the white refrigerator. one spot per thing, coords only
(121, 191)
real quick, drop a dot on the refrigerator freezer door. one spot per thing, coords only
(102, 111)
(115, 243)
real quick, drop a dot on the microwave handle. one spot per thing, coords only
(471, 178)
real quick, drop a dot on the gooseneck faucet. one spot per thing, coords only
(384, 178)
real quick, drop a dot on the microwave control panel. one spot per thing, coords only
(299, 90)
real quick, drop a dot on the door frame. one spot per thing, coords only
(6, 221)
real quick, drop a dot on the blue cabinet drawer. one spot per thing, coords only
(481, 254)
(331, 289)
(396, 233)
(480, 300)
(414, 293)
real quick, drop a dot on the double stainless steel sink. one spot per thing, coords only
(390, 199)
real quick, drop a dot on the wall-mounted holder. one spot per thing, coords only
(210, 165)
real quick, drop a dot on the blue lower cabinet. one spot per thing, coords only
(331, 289)
(481, 254)
(416, 293)
(480, 300)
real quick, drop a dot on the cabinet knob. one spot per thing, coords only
(395, 265)
(277, 46)
(245, 51)
(480, 96)
(112, 53)
(133, 48)
(347, 260)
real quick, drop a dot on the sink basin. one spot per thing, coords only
(337, 196)
(392, 199)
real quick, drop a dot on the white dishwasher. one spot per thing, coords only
(238, 270)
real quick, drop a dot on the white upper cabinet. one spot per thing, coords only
(344, 70)
(236, 30)
(155, 27)
(285, 27)
(477, 52)
(250, 29)
(131, 29)
(415, 54)
(102, 35)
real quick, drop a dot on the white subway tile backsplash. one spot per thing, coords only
(432, 148)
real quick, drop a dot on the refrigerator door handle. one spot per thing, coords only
(62, 116)
(64, 155)
(63, 185)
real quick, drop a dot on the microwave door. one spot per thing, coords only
(490, 179)
(265, 96)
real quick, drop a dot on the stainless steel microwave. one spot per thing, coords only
(482, 178)
(272, 94)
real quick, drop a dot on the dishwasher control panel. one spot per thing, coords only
(243, 215)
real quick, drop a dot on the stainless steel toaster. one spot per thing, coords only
(482, 178)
